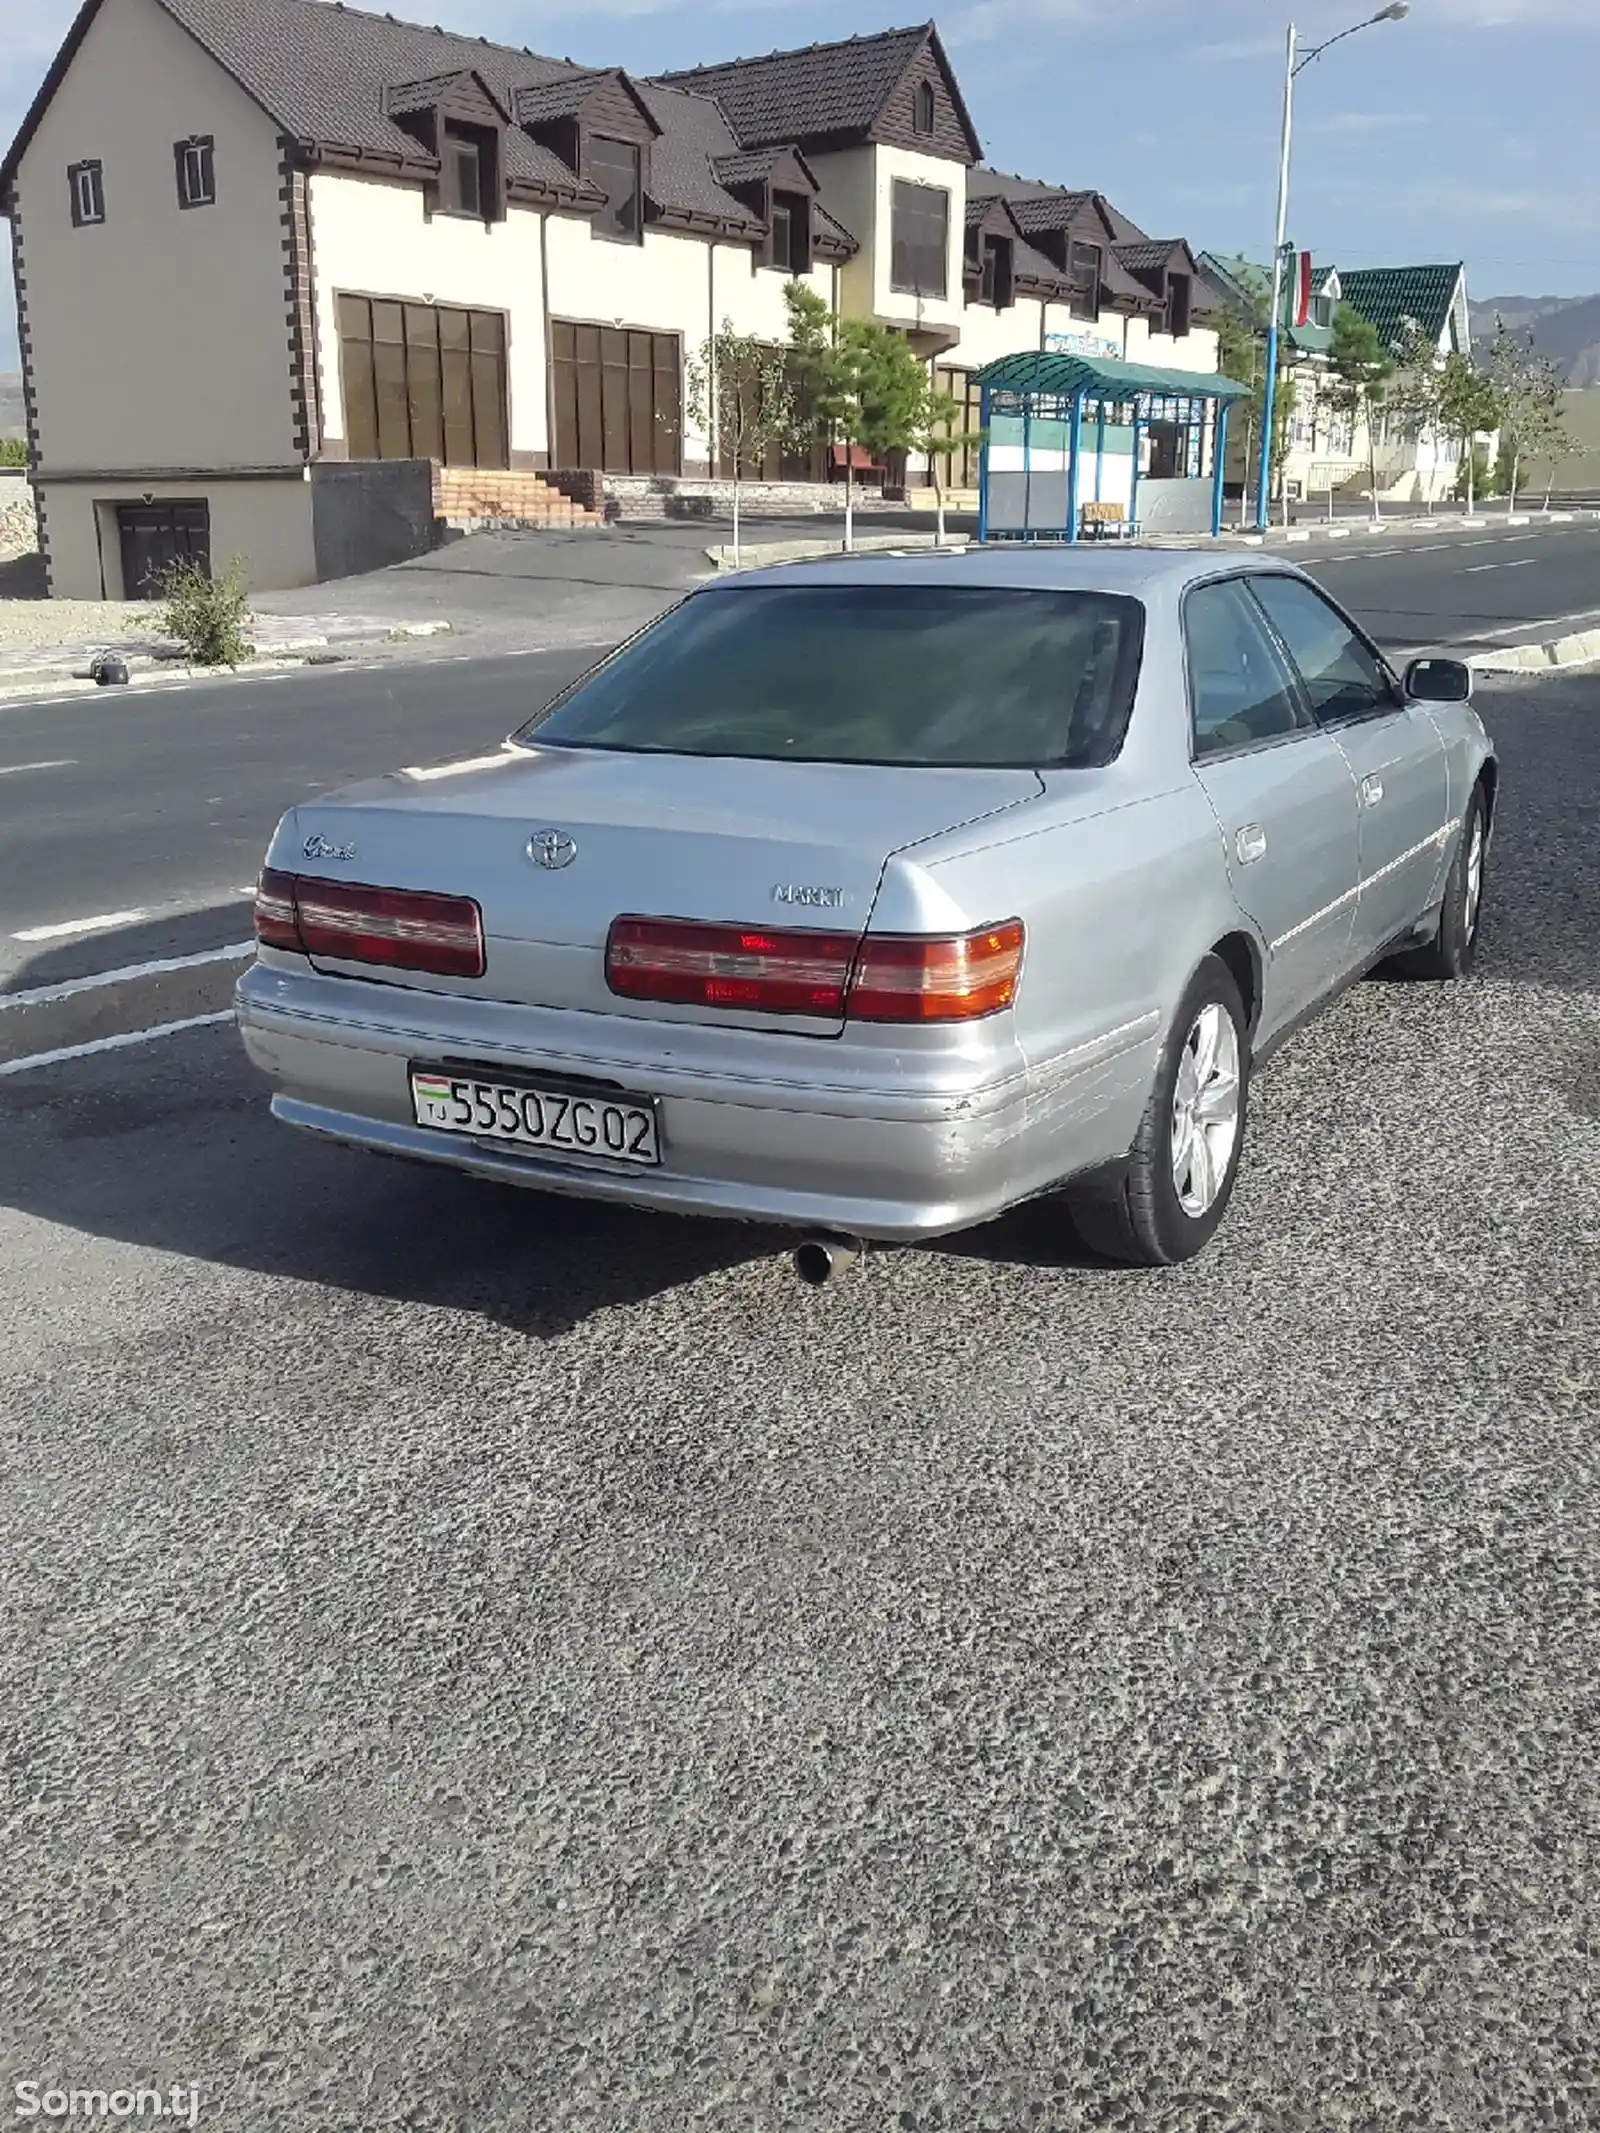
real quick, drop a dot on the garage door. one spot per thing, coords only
(619, 403)
(156, 536)
(423, 381)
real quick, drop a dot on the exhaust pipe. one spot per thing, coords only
(820, 1258)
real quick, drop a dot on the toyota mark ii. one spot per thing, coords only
(875, 896)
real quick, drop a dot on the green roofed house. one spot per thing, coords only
(1325, 452)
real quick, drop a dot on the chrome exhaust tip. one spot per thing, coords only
(820, 1258)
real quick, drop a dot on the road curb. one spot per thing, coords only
(756, 555)
(146, 672)
(1580, 649)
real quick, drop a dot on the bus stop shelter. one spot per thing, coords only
(1064, 432)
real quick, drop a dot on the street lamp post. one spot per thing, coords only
(1295, 63)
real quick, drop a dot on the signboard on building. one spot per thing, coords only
(1090, 345)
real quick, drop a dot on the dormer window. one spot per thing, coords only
(995, 273)
(614, 167)
(1179, 301)
(925, 109)
(791, 233)
(462, 171)
(1083, 271)
(456, 120)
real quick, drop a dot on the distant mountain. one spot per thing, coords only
(1565, 328)
(11, 422)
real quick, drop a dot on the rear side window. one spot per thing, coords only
(1342, 678)
(931, 675)
(1240, 689)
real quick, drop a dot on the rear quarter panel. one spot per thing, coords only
(1119, 904)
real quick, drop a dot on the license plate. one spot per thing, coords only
(536, 1115)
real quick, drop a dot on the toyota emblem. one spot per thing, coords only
(551, 848)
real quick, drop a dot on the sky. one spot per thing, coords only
(1460, 133)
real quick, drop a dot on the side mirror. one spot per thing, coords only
(1439, 681)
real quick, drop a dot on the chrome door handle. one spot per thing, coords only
(1250, 843)
(1372, 790)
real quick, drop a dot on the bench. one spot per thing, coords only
(1106, 522)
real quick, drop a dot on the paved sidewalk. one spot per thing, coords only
(48, 639)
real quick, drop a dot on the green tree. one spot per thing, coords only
(1469, 407)
(13, 453)
(826, 409)
(938, 437)
(1416, 397)
(857, 384)
(1560, 447)
(741, 395)
(1530, 391)
(1359, 372)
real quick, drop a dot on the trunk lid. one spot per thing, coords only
(653, 836)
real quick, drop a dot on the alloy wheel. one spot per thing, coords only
(1205, 1110)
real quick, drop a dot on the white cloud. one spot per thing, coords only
(1514, 14)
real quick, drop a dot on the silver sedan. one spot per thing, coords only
(873, 897)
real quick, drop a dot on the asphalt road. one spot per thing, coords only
(1466, 591)
(159, 806)
(154, 810)
(474, 1661)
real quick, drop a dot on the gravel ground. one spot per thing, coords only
(26, 624)
(482, 1663)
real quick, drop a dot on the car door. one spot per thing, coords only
(1394, 750)
(1282, 794)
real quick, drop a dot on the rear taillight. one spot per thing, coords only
(691, 964)
(275, 919)
(876, 978)
(908, 978)
(351, 922)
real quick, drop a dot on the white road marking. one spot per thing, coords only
(12, 770)
(1476, 570)
(112, 1044)
(73, 986)
(70, 926)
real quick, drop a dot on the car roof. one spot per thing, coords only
(1058, 566)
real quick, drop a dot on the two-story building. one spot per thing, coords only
(266, 248)
(1325, 450)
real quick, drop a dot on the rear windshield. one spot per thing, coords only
(956, 676)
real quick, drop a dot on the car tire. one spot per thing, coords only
(1454, 947)
(1180, 1173)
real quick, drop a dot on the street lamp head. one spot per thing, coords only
(1397, 11)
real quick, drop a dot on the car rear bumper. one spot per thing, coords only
(922, 1149)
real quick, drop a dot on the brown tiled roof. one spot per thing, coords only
(694, 135)
(749, 165)
(323, 72)
(538, 103)
(1033, 269)
(819, 92)
(410, 96)
(1152, 253)
(831, 239)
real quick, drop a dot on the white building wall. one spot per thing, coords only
(373, 237)
(670, 284)
(858, 189)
